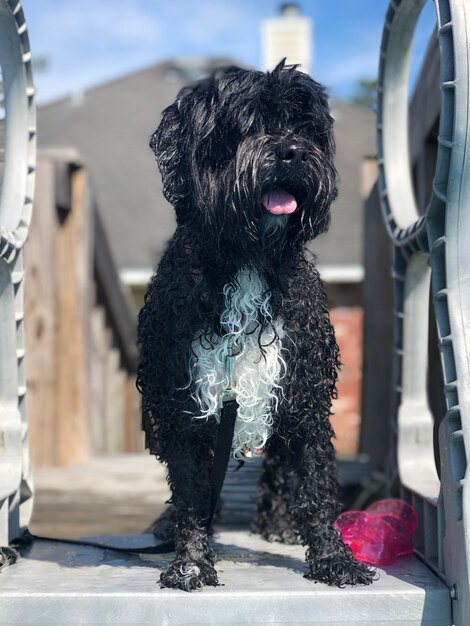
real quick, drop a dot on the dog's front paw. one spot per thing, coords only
(189, 576)
(8, 556)
(339, 571)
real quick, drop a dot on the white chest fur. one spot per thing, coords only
(257, 370)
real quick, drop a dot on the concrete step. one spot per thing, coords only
(261, 583)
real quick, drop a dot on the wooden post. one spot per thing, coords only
(40, 319)
(79, 328)
(98, 365)
(73, 304)
(133, 434)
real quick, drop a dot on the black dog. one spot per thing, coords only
(247, 161)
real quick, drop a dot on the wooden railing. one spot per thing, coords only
(80, 343)
(73, 330)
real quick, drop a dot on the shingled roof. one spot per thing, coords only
(110, 126)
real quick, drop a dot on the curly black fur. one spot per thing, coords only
(219, 148)
(8, 556)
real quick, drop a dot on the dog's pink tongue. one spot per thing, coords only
(279, 202)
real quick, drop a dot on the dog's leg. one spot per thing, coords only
(188, 475)
(303, 423)
(316, 507)
(163, 528)
(273, 520)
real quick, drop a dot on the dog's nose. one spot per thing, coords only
(292, 154)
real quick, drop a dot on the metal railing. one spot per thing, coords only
(431, 254)
(18, 133)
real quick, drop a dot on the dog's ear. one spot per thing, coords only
(167, 145)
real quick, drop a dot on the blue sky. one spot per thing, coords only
(88, 42)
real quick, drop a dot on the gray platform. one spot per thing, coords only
(262, 583)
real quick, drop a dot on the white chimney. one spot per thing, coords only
(287, 35)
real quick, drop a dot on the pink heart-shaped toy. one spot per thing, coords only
(381, 533)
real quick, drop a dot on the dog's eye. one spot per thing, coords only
(224, 145)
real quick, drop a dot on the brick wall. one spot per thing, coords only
(347, 321)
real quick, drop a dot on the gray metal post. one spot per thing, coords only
(18, 139)
(439, 238)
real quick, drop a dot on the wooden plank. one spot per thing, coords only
(118, 303)
(70, 502)
(73, 305)
(80, 330)
(40, 257)
(114, 401)
(98, 363)
(133, 436)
